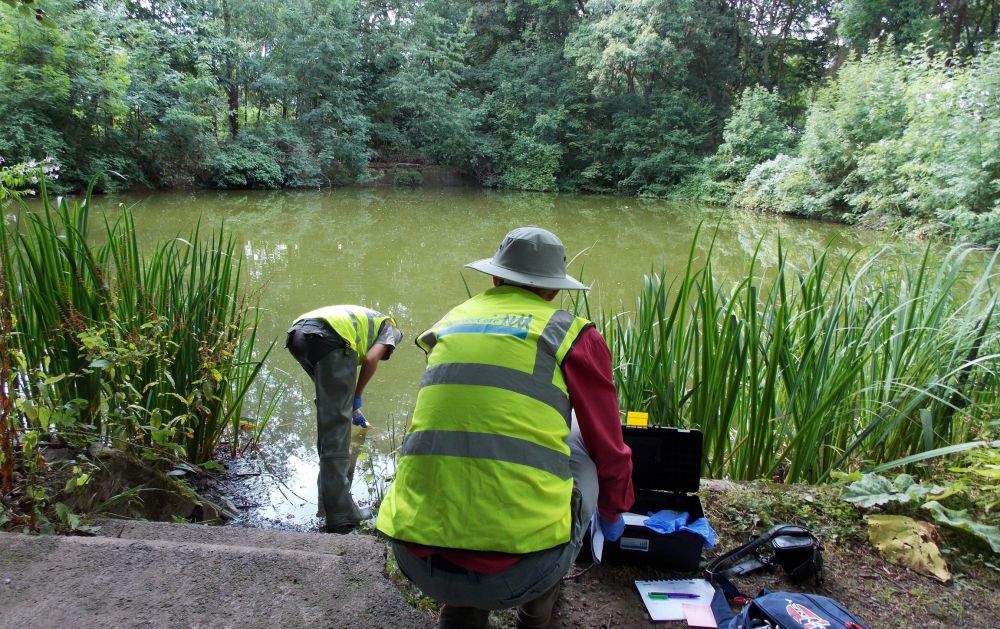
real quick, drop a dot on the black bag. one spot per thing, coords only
(797, 551)
(790, 546)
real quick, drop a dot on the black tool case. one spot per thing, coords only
(666, 473)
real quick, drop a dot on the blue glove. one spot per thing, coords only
(359, 420)
(612, 530)
(357, 402)
(666, 521)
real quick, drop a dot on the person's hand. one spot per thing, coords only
(359, 419)
(612, 530)
(357, 402)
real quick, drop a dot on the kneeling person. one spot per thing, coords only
(515, 440)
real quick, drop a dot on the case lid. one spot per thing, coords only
(664, 459)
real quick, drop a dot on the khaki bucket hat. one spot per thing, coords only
(530, 256)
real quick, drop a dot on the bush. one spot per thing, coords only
(406, 177)
(248, 162)
(896, 141)
(784, 184)
(753, 135)
(529, 164)
(174, 155)
(299, 164)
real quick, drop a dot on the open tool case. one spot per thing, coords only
(666, 473)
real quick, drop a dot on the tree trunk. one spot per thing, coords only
(232, 88)
(233, 94)
(959, 15)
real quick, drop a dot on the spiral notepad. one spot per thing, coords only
(656, 596)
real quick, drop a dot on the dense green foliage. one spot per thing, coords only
(898, 139)
(148, 350)
(652, 97)
(809, 370)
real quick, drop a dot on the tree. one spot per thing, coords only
(958, 26)
(754, 134)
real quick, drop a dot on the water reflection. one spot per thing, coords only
(402, 252)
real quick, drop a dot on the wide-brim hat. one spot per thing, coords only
(530, 256)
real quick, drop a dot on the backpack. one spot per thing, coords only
(785, 610)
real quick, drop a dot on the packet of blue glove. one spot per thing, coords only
(668, 521)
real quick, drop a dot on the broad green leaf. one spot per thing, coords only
(873, 490)
(62, 511)
(844, 477)
(959, 518)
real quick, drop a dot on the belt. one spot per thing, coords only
(320, 327)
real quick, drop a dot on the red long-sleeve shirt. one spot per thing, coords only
(592, 393)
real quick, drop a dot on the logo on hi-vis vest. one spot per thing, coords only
(508, 324)
(805, 616)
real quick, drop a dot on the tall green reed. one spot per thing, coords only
(154, 350)
(796, 372)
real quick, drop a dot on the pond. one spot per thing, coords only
(402, 252)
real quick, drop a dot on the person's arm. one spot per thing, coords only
(594, 397)
(368, 366)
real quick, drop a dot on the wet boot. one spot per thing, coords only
(537, 614)
(453, 617)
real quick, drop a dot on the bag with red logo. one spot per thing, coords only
(785, 610)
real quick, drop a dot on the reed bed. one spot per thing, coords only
(800, 371)
(152, 350)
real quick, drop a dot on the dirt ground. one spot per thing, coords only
(879, 593)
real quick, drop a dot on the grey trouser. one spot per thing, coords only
(333, 368)
(530, 577)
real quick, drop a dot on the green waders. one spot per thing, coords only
(333, 368)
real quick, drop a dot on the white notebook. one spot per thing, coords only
(656, 595)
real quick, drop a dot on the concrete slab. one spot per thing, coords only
(149, 574)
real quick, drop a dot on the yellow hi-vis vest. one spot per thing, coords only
(358, 326)
(485, 464)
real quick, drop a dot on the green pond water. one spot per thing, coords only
(402, 252)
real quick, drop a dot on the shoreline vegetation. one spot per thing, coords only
(864, 113)
(858, 112)
(818, 368)
(152, 353)
(811, 373)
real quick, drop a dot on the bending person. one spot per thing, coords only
(331, 343)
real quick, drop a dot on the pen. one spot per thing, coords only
(671, 595)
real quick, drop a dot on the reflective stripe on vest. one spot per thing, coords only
(537, 384)
(496, 447)
(485, 465)
(358, 326)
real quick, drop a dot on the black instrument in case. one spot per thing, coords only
(666, 473)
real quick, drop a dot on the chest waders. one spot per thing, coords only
(334, 374)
